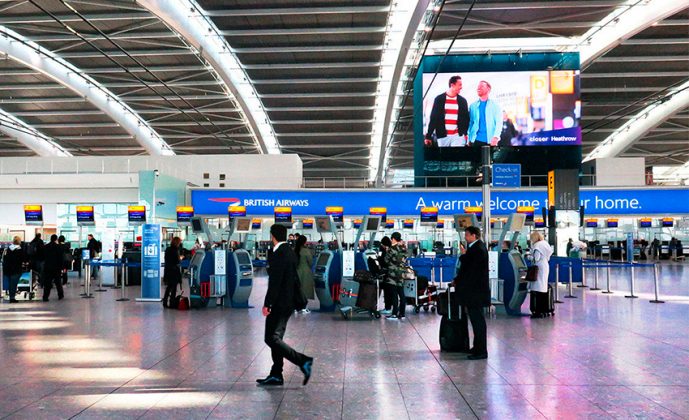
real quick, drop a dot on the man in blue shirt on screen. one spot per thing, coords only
(485, 118)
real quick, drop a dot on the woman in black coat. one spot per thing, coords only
(173, 273)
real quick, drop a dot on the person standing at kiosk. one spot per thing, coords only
(281, 300)
(541, 252)
(473, 288)
(172, 274)
(396, 268)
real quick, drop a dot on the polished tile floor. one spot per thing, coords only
(601, 356)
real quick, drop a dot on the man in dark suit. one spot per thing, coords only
(279, 304)
(473, 288)
(52, 268)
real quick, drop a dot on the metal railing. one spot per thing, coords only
(428, 182)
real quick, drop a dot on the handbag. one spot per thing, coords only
(531, 273)
(183, 304)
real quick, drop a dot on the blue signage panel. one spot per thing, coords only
(630, 247)
(150, 262)
(628, 201)
(507, 175)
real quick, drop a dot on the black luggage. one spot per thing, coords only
(542, 303)
(368, 297)
(454, 328)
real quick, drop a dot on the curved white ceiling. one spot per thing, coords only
(41, 144)
(50, 64)
(190, 21)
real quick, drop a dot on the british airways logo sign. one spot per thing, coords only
(259, 202)
(230, 201)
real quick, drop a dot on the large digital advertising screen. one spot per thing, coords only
(527, 109)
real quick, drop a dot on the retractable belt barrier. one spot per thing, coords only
(117, 264)
(598, 264)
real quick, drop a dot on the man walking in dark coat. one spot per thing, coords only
(279, 304)
(473, 288)
(52, 268)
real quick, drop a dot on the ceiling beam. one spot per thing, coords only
(311, 30)
(307, 49)
(51, 65)
(454, 6)
(298, 11)
(642, 58)
(72, 18)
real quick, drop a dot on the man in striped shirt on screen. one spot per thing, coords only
(449, 117)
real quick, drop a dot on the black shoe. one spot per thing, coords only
(477, 356)
(46, 300)
(60, 297)
(537, 316)
(271, 380)
(14, 301)
(306, 369)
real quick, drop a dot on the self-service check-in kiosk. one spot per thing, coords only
(369, 225)
(328, 268)
(512, 267)
(239, 269)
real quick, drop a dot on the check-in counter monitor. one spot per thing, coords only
(240, 278)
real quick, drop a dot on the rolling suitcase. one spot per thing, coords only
(454, 329)
(542, 303)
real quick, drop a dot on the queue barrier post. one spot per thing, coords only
(607, 281)
(570, 295)
(583, 284)
(87, 281)
(100, 281)
(557, 284)
(655, 284)
(123, 281)
(631, 294)
(595, 281)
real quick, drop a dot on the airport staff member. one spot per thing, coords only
(52, 268)
(449, 117)
(283, 290)
(486, 118)
(473, 289)
(12, 266)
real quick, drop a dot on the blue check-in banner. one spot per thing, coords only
(627, 201)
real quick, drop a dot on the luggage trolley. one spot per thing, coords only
(27, 286)
(360, 295)
(419, 292)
